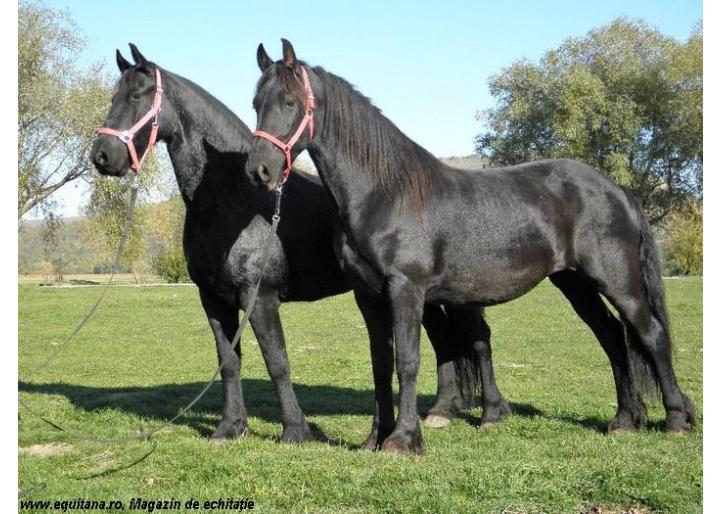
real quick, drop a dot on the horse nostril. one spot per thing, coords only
(101, 158)
(263, 173)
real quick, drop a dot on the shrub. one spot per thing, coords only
(683, 241)
(170, 266)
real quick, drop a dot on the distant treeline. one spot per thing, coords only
(73, 247)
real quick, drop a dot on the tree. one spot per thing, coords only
(106, 212)
(166, 234)
(625, 99)
(51, 245)
(683, 241)
(60, 104)
(107, 208)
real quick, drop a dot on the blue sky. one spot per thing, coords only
(425, 64)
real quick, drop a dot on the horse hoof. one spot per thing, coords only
(297, 434)
(228, 432)
(370, 444)
(494, 414)
(403, 445)
(678, 429)
(396, 447)
(679, 423)
(436, 421)
(619, 426)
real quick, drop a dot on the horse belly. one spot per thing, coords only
(494, 274)
(499, 287)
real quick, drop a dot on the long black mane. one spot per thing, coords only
(398, 166)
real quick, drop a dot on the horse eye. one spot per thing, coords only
(289, 102)
(136, 96)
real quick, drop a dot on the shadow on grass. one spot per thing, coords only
(163, 402)
(519, 409)
(600, 424)
(595, 423)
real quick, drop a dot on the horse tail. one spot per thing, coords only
(467, 373)
(641, 366)
(467, 367)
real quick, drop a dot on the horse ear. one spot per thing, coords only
(139, 58)
(263, 59)
(289, 58)
(122, 63)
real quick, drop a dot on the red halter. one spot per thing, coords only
(286, 148)
(127, 136)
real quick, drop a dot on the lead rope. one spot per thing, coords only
(127, 223)
(147, 435)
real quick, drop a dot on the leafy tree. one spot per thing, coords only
(60, 104)
(106, 212)
(166, 233)
(683, 241)
(51, 245)
(625, 99)
(107, 208)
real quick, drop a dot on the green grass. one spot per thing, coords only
(149, 350)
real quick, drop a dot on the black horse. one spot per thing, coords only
(227, 221)
(429, 233)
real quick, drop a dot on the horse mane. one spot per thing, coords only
(398, 167)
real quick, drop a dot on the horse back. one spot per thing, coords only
(492, 235)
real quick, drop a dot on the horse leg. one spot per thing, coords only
(628, 273)
(379, 327)
(406, 303)
(223, 321)
(265, 322)
(609, 331)
(448, 402)
(476, 337)
(649, 335)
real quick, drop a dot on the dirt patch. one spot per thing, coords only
(45, 450)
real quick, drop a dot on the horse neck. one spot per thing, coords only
(348, 185)
(359, 153)
(193, 108)
(341, 172)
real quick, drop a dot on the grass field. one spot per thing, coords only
(149, 350)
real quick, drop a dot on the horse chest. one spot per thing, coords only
(228, 260)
